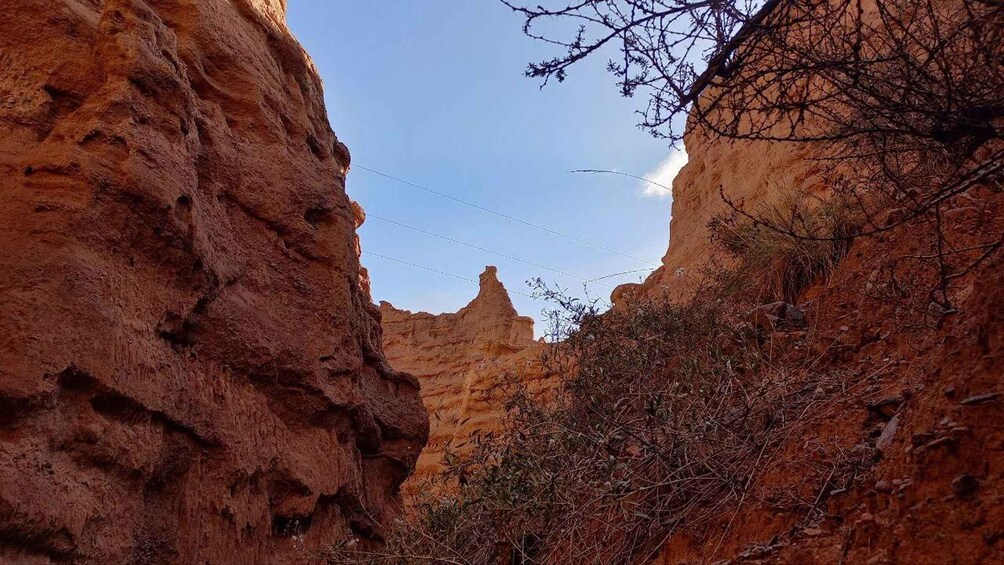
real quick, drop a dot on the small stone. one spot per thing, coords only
(981, 398)
(965, 485)
(943, 440)
(777, 316)
(885, 440)
(885, 408)
(883, 486)
(866, 517)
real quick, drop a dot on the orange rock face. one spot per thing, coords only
(748, 172)
(190, 371)
(917, 435)
(923, 417)
(458, 358)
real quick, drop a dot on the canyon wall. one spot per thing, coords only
(459, 358)
(901, 458)
(190, 369)
(904, 462)
(747, 172)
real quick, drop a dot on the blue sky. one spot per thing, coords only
(433, 92)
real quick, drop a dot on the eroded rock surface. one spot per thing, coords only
(190, 371)
(748, 173)
(459, 359)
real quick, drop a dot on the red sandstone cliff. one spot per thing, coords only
(903, 463)
(458, 358)
(189, 369)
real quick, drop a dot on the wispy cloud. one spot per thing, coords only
(663, 175)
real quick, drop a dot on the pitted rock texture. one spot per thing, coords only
(190, 371)
(459, 359)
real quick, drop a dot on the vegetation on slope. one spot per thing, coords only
(674, 417)
(665, 413)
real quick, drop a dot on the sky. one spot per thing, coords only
(432, 92)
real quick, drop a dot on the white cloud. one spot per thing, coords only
(663, 174)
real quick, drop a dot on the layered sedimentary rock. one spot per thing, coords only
(190, 371)
(459, 359)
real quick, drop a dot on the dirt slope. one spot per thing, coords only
(901, 459)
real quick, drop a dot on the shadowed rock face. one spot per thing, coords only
(459, 357)
(190, 370)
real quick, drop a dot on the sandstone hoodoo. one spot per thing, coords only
(190, 370)
(458, 358)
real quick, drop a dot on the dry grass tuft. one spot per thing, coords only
(787, 246)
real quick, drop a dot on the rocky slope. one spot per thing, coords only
(900, 459)
(190, 370)
(458, 358)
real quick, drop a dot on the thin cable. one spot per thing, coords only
(479, 248)
(507, 256)
(417, 266)
(609, 172)
(502, 215)
(619, 274)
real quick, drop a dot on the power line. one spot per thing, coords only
(611, 172)
(459, 277)
(479, 248)
(502, 215)
(619, 274)
(470, 280)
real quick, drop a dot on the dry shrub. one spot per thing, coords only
(668, 412)
(786, 246)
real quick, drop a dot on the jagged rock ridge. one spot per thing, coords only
(189, 368)
(458, 358)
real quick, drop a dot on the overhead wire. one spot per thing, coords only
(629, 175)
(619, 274)
(485, 249)
(434, 270)
(502, 214)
